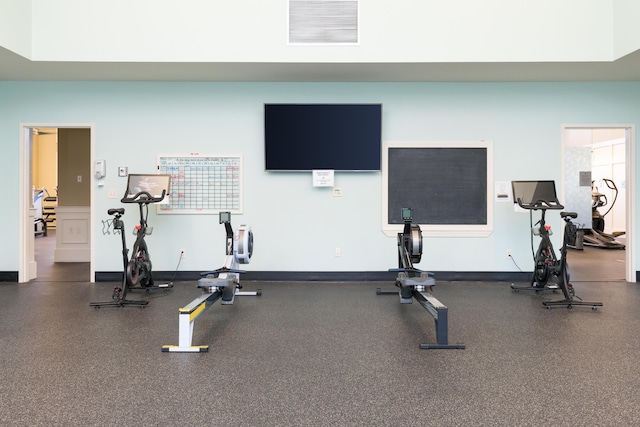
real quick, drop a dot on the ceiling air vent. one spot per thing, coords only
(323, 21)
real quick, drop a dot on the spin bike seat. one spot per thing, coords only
(119, 211)
(568, 214)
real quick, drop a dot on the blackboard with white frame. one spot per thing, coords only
(448, 186)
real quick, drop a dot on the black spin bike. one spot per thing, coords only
(541, 195)
(138, 268)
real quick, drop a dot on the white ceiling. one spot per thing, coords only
(15, 67)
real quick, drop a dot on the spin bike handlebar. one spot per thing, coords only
(143, 197)
(540, 204)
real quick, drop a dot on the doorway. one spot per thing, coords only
(594, 157)
(56, 234)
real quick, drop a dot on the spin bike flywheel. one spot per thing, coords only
(541, 274)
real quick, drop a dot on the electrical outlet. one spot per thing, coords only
(337, 252)
(509, 254)
(183, 253)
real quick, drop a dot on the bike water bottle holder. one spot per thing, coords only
(147, 231)
(536, 231)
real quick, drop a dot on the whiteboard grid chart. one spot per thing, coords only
(202, 184)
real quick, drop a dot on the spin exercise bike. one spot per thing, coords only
(541, 195)
(222, 284)
(143, 190)
(418, 284)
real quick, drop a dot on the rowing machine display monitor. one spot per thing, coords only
(225, 217)
(407, 214)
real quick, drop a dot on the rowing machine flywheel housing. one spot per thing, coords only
(243, 245)
(414, 243)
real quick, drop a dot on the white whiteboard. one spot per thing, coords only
(202, 184)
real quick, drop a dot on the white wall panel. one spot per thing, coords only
(256, 31)
(15, 26)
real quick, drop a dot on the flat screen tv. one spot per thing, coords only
(305, 137)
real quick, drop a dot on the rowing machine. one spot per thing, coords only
(222, 283)
(418, 284)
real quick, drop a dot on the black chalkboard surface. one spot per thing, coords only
(442, 185)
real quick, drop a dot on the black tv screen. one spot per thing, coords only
(305, 137)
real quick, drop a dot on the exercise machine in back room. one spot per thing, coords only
(595, 236)
(39, 224)
(416, 284)
(221, 284)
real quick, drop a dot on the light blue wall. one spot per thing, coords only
(296, 226)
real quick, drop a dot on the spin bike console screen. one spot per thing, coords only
(152, 184)
(531, 191)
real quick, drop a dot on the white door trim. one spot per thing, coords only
(630, 178)
(26, 229)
